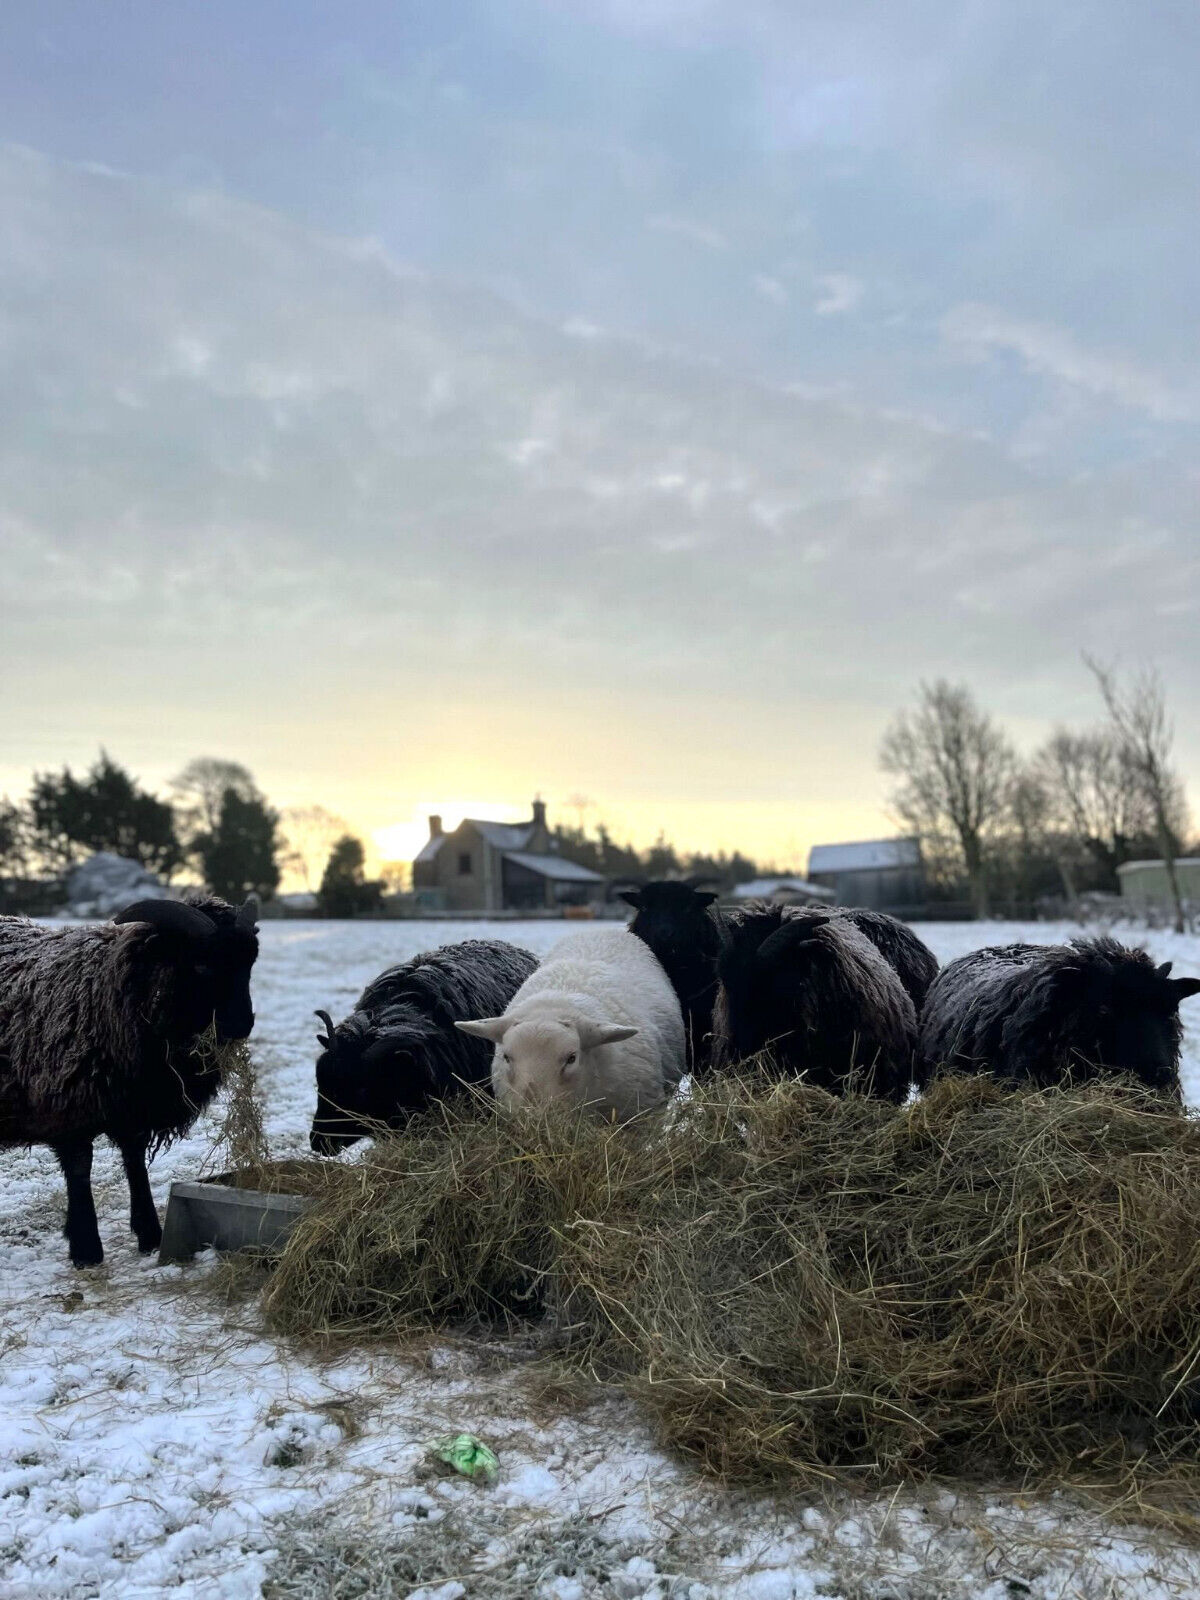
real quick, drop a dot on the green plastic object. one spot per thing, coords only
(468, 1455)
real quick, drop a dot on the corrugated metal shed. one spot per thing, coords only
(869, 855)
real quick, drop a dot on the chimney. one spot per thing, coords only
(539, 813)
(435, 827)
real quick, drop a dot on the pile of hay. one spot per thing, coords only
(982, 1283)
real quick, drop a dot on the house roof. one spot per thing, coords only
(504, 835)
(500, 835)
(554, 867)
(764, 888)
(868, 855)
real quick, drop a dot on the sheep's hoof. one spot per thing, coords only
(148, 1237)
(87, 1255)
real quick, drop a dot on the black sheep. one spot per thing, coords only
(911, 958)
(681, 927)
(1052, 1014)
(684, 929)
(814, 993)
(398, 1051)
(99, 1034)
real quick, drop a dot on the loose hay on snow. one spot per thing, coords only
(982, 1282)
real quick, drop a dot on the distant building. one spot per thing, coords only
(500, 866)
(792, 891)
(885, 874)
(1144, 885)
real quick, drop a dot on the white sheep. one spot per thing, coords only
(597, 1025)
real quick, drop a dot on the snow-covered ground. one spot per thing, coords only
(152, 1440)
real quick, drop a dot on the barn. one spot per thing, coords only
(884, 874)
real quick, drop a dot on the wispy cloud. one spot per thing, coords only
(770, 289)
(841, 293)
(700, 233)
(980, 330)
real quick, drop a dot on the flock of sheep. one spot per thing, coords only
(114, 1029)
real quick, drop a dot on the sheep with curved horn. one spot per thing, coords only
(100, 1031)
(399, 1051)
(1052, 1014)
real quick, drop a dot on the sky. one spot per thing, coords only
(434, 405)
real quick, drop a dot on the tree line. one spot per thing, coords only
(216, 825)
(1002, 826)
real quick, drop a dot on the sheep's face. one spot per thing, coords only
(1128, 1021)
(361, 1090)
(539, 1062)
(543, 1060)
(672, 918)
(214, 983)
(763, 969)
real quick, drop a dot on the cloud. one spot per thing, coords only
(770, 289)
(980, 331)
(685, 228)
(842, 293)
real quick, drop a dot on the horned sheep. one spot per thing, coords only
(810, 994)
(398, 1051)
(102, 1032)
(597, 1025)
(1051, 1014)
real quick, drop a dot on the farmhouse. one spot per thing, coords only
(884, 874)
(500, 866)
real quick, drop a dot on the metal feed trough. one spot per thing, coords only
(214, 1212)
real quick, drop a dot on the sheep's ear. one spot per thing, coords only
(1184, 988)
(706, 897)
(493, 1028)
(631, 897)
(592, 1034)
(1165, 970)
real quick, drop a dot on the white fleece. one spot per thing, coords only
(601, 978)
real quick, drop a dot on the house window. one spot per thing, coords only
(464, 864)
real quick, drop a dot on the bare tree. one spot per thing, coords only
(954, 767)
(309, 834)
(1145, 736)
(197, 793)
(1096, 795)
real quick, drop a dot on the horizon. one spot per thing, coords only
(629, 402)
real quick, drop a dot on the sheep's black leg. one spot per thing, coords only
(143, 1218)
(83, 1236)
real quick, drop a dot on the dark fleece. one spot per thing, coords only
(399, 1050)
(1048, 1014)
(818, 997)
(92, 1036)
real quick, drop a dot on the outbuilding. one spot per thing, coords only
(883, 874)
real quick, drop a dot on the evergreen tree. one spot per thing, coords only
(239, 855)
(345, 891)
(74, 817)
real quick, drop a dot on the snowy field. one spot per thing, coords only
(152, 1441)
